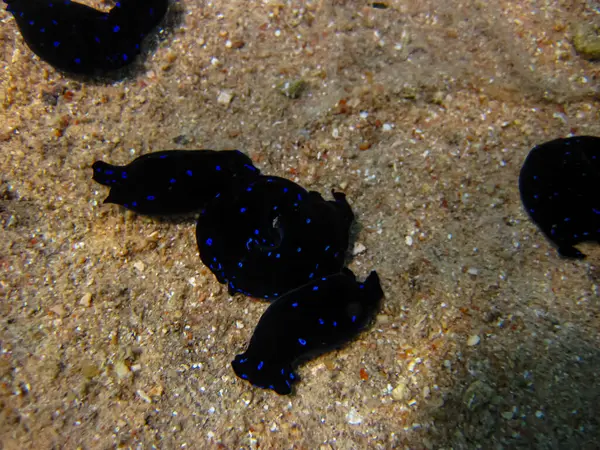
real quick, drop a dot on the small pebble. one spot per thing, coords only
(426, 392)
(89, 369)
(122, 370)
(473, 340)
(399, 392)
(411, 365)
(59, 310)
(358, 249)
(353, 417)
(382, 319)
(182, 139)
(143, 396)
(507, 415)
(478, 394)
(408, 240)
(473, 271)
(247, 397)
(293, 88)
(139, 266)
(156, 391)
(586, 40)
(225, 98)
(86, 300)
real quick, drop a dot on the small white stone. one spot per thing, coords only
(139, 266)
(473, 340)
(358, 249)
(539, 414)
(408, 240)
(364, 114)
(473, 271)
(239, 324)
(225, 98)
(387, 127)
(353, 417)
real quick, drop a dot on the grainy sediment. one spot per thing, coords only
(112, 332)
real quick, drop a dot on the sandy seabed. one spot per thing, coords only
(114, 335)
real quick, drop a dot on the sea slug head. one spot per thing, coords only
(265, 374)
